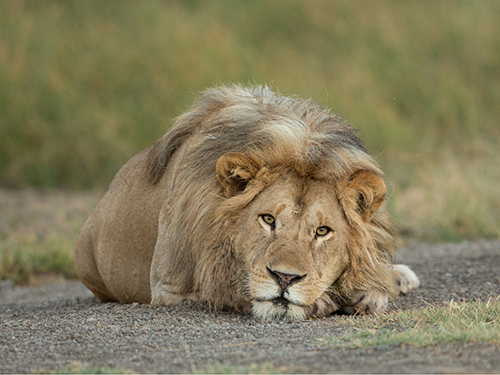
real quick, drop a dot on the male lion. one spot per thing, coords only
(254, 201)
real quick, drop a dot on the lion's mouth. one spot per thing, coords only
(278, 308)
(281, 301)
(277, 301)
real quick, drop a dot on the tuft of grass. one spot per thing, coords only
(477, 321)
(449, 197)
(26, 259)
(78, 368)
(266, 368)
(38, 233)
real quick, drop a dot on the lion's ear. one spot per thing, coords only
(367, 191)
(234, 170)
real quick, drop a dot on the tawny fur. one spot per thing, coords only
(172, 219)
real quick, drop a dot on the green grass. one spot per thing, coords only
(26, 259)
(252, 369)
(38, 233)
(465, 322)
(84, 85)
(78, 368)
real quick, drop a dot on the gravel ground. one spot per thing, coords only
(61, 327)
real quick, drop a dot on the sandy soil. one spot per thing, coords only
(61, 326)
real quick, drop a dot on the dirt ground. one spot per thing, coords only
(61, 327)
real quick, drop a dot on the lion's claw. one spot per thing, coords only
(371, 302)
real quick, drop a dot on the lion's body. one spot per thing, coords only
(252, 201)
(116, 245)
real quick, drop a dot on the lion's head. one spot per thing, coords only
(273, 205)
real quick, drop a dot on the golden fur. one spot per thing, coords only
(254, 201)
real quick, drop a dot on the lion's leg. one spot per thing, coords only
(322, 307)
(374, 301)
(166, 295)
(86, 268)
(368, 302)
(406, 279)
(171, 282)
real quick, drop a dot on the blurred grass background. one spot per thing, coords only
(85, 85)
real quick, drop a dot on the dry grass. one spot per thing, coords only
(450, 197)
(463, 322)
(265, 368)
(86, 85)
(78, 368)
(38, 233)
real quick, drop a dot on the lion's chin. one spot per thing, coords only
(270, 310)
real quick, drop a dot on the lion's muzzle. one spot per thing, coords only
(284, 280)
(278, 297)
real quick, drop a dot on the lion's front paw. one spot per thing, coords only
(164, 295)
(371, 302)
(406, 279)
(322, 307)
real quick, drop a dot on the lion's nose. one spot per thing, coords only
(284, 280)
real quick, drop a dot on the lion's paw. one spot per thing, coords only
(163, 296)
(371, 302)
(322, 307)
(406, 279)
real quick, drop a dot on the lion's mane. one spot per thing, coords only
(278, 133)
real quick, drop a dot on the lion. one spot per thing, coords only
(265, 204)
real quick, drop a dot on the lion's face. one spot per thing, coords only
(293, 246)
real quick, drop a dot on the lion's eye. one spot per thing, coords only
(268, 219)
(322, 231)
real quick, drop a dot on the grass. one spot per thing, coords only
(464, 322)
(78, 368)
(38, 233)
(252, 369)
(27, 260)
(86, 85)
